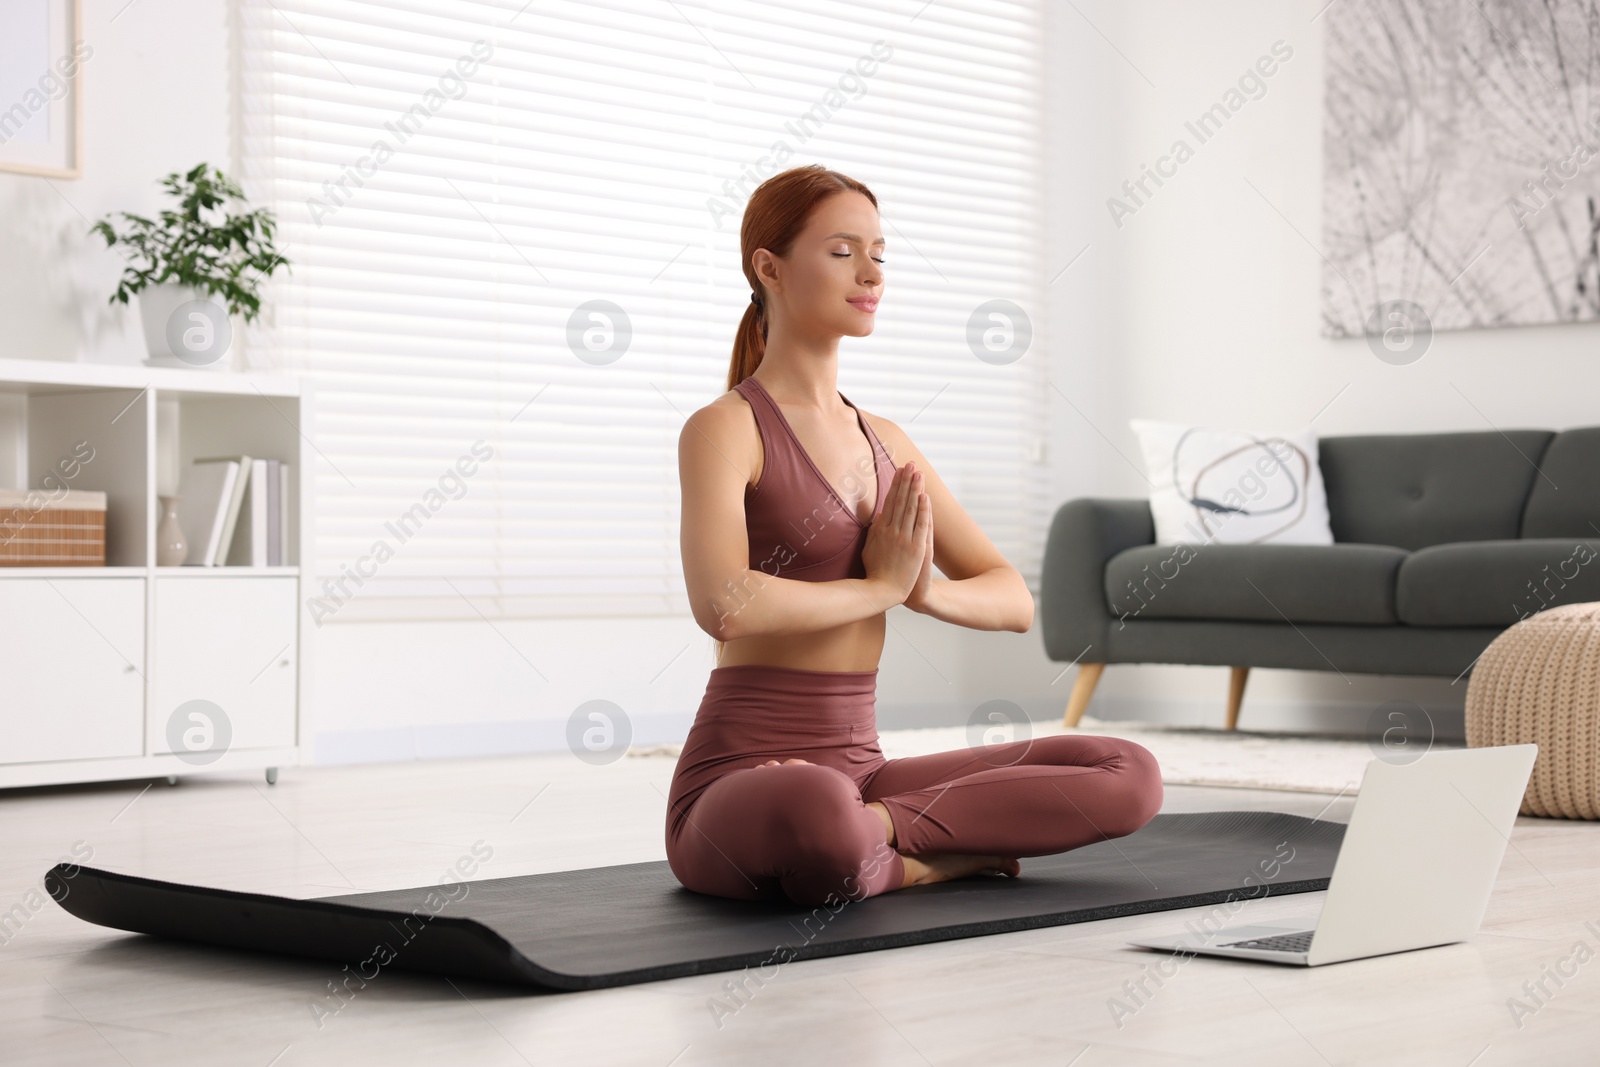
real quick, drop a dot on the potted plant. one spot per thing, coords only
(194, 267)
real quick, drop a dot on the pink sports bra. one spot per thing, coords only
(797, 525)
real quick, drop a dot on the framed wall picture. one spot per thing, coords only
(1460, 188)
(42, 55)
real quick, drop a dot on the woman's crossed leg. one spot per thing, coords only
(794, 829)
(1020, 798)
(809, 832)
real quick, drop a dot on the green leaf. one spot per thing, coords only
(188, 244)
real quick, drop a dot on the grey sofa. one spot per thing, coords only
(1442, 541)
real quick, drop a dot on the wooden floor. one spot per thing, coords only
(72, 993)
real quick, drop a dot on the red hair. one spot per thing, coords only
(776, 213)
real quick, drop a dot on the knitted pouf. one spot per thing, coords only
(1540, 681)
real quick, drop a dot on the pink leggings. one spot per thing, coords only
(738, 829)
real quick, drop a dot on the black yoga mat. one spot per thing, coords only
(611, 926)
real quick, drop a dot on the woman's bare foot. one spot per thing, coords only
(943, 867)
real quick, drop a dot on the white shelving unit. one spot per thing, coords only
(95, 662)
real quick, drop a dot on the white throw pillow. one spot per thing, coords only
(1232, 486)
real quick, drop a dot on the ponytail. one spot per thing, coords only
(749, 343)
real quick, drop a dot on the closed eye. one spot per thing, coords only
(875, 259)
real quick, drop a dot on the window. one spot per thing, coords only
(471, 194)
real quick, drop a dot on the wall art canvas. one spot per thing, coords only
(1461, 156)
(42, 56)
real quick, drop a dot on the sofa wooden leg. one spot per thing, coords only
(1082, 690)
(1236, 694)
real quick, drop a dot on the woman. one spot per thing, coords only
(799, 533)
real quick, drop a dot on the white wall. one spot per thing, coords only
(1203, 305)
(156, 100)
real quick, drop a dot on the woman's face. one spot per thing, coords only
(832, 278)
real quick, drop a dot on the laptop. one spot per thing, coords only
(1419, 857)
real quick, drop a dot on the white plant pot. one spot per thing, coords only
(186, 327)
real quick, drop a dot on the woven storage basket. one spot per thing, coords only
(63, 528)
(1540, 681)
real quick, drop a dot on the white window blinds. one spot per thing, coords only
(459, 183)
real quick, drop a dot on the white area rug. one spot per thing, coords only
(1189, 755)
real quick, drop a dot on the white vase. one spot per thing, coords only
(185, 327)
(172, 546)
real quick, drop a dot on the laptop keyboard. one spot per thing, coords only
(1299, 942)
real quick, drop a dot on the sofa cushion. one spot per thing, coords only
(1495, 583)
(1565, 501)
(1265, 583)
(1219, 486)
(1414, 490)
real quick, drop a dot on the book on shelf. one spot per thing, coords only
(235, 501)
(206, 494)
(248, 547)
(249, 514)
(278, 512)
